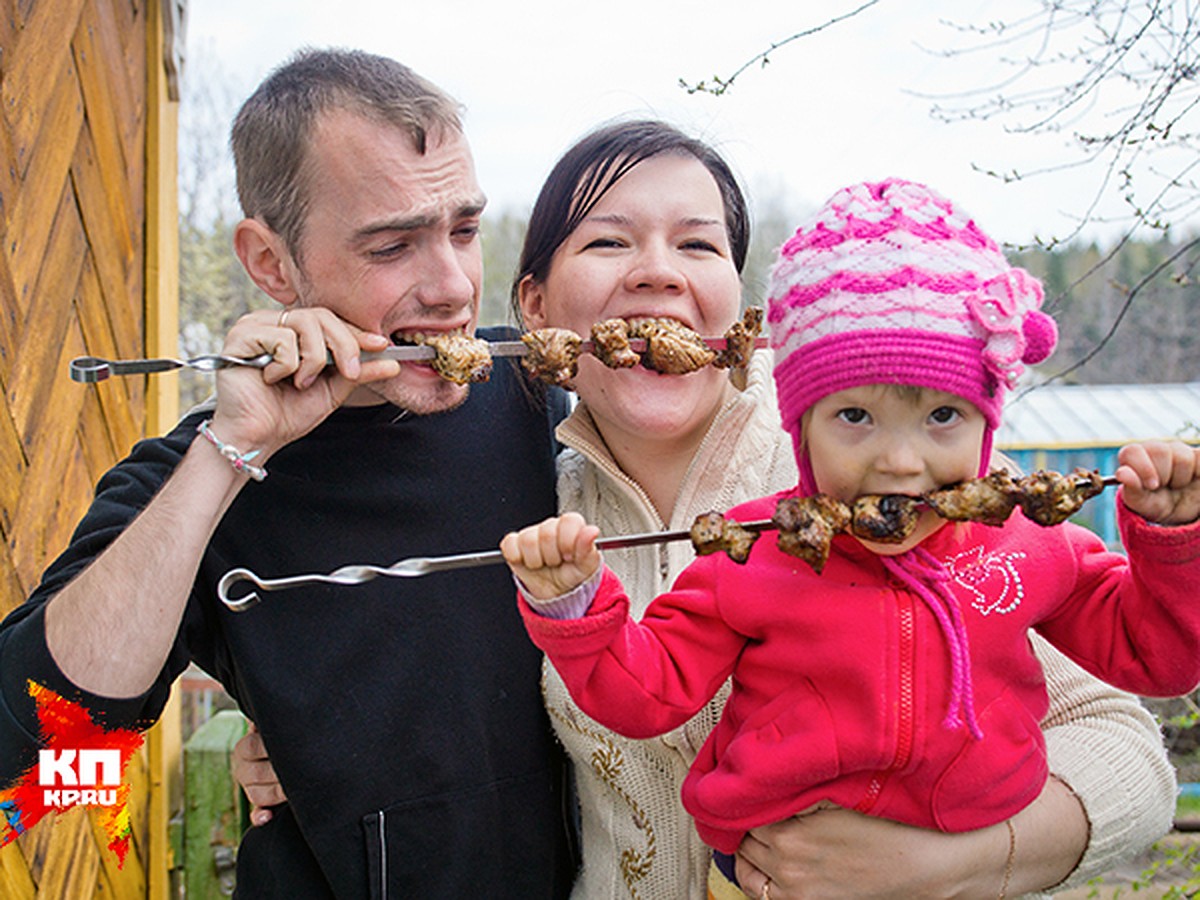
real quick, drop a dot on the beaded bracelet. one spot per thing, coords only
(239, 460)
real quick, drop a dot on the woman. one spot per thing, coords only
(637, 219)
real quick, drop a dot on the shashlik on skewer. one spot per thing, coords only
(1048, 498)
(740, 340)
(712, 532)
(807, 525)
(551, 354)
(670, 347)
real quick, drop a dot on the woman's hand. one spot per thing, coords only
(830, 852)
(252, 769)
(838, 853)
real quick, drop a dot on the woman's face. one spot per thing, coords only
(655, 245)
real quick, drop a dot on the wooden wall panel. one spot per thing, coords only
(12, 464)
(41, 50)
(44, 181)
(114, 248)
(10, 313)
(74, 105)
(72, 98)
(46, 320)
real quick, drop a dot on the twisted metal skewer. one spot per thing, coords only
(417, 566)
(414, 567)
(90, 369)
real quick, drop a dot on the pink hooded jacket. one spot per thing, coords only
(842, 681)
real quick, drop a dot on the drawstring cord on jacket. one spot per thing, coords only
(918, 569)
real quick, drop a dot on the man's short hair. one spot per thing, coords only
(272, 131)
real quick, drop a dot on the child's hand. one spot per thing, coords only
(554, 557)
(1161, 481)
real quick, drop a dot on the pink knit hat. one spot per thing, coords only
(891, 283)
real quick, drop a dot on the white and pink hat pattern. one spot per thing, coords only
(891, 283)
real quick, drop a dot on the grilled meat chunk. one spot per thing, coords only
(671, 347)
(807, 526)
(884, 518)
(553, 354)
(711, 532)
(1049, 498)
(989, 500)
(610, 342)
(739, 346)
(460, 358)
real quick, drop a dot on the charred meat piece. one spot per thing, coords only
(807, 526)
(610, 340)
(460, 358)
(739, 340)
(884, 518)
(553, 354)
(713, 533)
(1049, 498)
(671, 347)
(989, 500)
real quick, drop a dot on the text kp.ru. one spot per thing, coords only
(79, 777)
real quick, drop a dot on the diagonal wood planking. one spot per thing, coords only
(73, 94)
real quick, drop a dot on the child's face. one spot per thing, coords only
(884, 439)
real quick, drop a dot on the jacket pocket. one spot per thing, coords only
(782, 750)
(993, 778)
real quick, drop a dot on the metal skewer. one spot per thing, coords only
(416, 566)
(90, 369)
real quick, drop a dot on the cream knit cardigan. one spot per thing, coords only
(637, 839)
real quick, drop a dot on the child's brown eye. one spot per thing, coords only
(944, 415)
(855, 415)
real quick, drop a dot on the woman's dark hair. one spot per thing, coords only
(593, 165)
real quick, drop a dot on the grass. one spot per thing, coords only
(1187, 808)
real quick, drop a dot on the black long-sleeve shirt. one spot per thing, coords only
(403, 716)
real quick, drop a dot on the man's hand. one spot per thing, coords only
(554, 557)
(266, 409)
(253, 771)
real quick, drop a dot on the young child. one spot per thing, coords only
(899, 681)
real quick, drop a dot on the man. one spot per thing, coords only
(362, 215)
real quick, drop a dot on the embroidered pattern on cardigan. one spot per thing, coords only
(607, 762)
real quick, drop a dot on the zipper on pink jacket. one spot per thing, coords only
(905, 702)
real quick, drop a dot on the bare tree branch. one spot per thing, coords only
(1131, 294)
(718, 85)
(1121, 80)
(1122, 76)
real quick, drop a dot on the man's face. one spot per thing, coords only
(391, 243)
